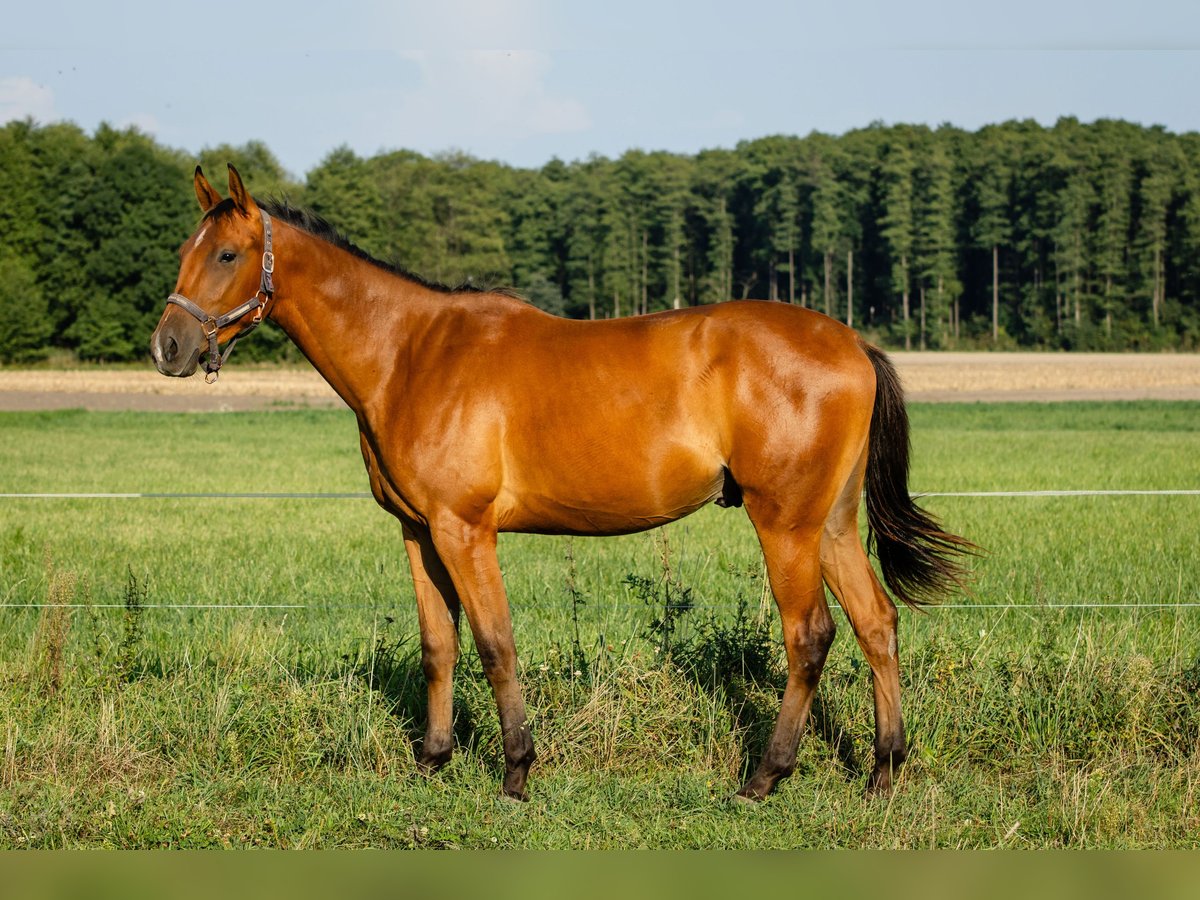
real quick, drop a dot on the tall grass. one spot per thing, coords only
(129, 722)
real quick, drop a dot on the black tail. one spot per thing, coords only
(920, 561)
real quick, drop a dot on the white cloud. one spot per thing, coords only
(468, 94)
(22, 97)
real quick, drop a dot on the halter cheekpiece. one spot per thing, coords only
(257, 304)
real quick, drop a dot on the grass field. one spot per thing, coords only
(129, 722)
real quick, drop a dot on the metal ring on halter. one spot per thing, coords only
(211, 324)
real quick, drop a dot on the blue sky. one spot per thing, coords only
(528, 80)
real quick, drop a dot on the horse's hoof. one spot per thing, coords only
(432, 760)
(879, 786)
(514, 796)
(748, 800)
(430, 767)
(881, 794)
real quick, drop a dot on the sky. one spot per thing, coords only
(526, 81)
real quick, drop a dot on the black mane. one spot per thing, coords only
(308, 221)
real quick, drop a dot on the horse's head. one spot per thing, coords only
(227, 260)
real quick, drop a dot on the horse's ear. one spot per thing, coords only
(205, 192)
(238, 193)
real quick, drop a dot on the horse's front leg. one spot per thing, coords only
(437, 612)
(469, 554)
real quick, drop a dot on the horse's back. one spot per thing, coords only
(673, 343)
(712, 361)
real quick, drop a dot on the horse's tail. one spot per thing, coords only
(920, 562)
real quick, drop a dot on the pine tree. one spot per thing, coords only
(936, 244)
(992, 180)
(896, 224)
(1160, 171)
(1113, 187)
(585, 210)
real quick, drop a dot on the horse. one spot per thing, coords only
(478, 413)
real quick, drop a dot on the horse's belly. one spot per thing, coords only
(554, 500)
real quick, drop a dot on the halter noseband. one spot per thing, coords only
(258, 304)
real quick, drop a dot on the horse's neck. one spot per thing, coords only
(348, 317)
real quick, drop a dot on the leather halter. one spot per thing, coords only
(257, 304)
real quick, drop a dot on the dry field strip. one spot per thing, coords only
(928, 377)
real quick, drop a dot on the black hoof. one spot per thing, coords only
(431, 763)
(753, 791)
(880, 783)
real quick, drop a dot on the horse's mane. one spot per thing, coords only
(317, 226)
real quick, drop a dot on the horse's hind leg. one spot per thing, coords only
(793, 568)
(437, 612)
(872, 615)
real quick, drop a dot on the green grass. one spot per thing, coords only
(128, 723)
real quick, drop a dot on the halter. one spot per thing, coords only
(212, 324)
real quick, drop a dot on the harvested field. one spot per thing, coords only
(990, 377)
(928, 377)
(239, 388)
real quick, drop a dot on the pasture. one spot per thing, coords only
(140, 712)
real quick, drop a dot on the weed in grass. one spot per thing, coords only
(579, 659)
(54, 624)
(136, 594)
(1184, 718)
(667, 597)
(8, 777)
(721, 654)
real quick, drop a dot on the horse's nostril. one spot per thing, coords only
(171, 350)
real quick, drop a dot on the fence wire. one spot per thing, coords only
(363, 495)
(595, 607)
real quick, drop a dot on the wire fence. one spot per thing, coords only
(363, 495)
(606, 607)
(190, 495)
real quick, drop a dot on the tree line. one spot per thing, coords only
(1076, 236)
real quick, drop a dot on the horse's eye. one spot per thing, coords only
(227, 256)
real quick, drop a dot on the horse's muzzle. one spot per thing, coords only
(176, 351)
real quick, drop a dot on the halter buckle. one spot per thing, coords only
(268, 262)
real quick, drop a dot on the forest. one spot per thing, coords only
(1077, 236)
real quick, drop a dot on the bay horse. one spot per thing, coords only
(479, 413)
